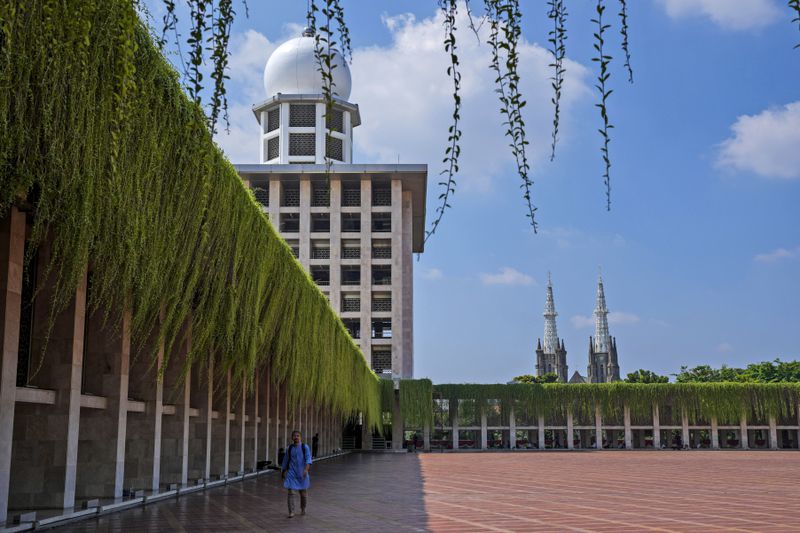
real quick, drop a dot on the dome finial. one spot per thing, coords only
(308, 31)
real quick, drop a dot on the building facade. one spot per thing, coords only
(551, 355)
(354, 228)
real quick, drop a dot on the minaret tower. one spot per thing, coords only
(603, 364)
(552, 356)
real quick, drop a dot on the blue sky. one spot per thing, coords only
(701, 251)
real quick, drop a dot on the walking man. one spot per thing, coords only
(294, 471)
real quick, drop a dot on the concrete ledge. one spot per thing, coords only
(194, 488)
(194, 411)
(161, 496)
(135, 406)
(90, 401)
(66, 517)
(34, 395)
(118, 506)
(168, 410)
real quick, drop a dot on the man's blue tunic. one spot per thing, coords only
(299, 455)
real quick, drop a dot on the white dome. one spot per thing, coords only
(293, 69)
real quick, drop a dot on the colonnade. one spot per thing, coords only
(85, 421)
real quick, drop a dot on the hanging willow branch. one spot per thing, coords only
(603, 60)
(623, 30)
(795, 5)
(453, 151)
(558, 49)
(504, 16)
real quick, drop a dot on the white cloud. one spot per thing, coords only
(507, 276)
(724, 347)
(777, 255)
(568, 237)
(615, 318)
(432, 273)
(405, 99)
(765, 143)
(249, 53)
(739, 15)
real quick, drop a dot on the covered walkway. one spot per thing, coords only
(508, 491)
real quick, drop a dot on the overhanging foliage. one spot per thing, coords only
(120, 170)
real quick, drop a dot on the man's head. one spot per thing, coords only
(297, 438)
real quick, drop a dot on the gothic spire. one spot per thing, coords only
(601, 337)
(550, 332)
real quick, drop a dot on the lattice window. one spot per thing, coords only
(351, 222)
(334, 149)
(290, 222)
(336, 120)
(351, 275)
(381, 328)
(381, 196)
(320, 222)
(320, 195)
(273, 119)
(351, 304)
(273, 148)
(302, 115)
(290, 195)
(353, 326)
(320, 250)
(321, 274)
(262, 195)
(381, 274)
(381, 359)
(381, 303)
(382, 249)
(302, 143)
(382, 222)
(351, 250)
(351, 195)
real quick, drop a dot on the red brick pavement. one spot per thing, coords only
(617, 491)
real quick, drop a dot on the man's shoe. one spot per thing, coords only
(291, 515)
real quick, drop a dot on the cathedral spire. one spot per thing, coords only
(601, 337)
(551, 343)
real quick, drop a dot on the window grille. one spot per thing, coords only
(351, 275)
(381, 249)
(351, 222)
(334, 149)
(381, 359)
(336, 120)
(295, 246)
(351, 195)
(381, 303)
(290, 195)
(320, 222)
(351, 251)
(381, 274)
(273, 148)
(320, 195)
(320, 250)
(290, 222)
(302, 143)
(353, 326)
(381, 196)
(382, 222)
(351, 304)
(302, 115)
(262, 195)
(321, 274)
(273, 119)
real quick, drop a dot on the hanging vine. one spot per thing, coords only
(603, 60)
(795, 5)
(623, 30)
(557, 37)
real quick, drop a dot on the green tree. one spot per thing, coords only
(707, 374)
(550, 377)
(646, 376)
(776, 371)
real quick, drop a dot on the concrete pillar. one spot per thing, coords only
(773, 433)
(685, 428)
(541, 432)
(254, 422)
(656, 427)
(208, 414)
(101, 453)
(12, 251)
(598, 427)
(305, 220)
(227, 417)
(512, 429)
(267, 416)
(454, 422)
(570, 432)
(175, 427)
(366, 270)
(397, 422)
(241, 418)
(743, 436)
(426, 437)
(483, 428)
(366, 436)
(626, 410)
(714, 433)
(276, 451)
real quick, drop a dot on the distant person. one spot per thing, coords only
(315, 445)
(294, 472)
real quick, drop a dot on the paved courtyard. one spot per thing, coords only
(522, 491)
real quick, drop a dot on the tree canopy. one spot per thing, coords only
(776, 371)
(550, 377)
(645, 376)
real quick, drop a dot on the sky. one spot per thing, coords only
(700, 253)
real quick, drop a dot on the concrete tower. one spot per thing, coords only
(603, 364)
(551, 356)
(353, 227)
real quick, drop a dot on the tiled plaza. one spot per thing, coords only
(512, 491)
